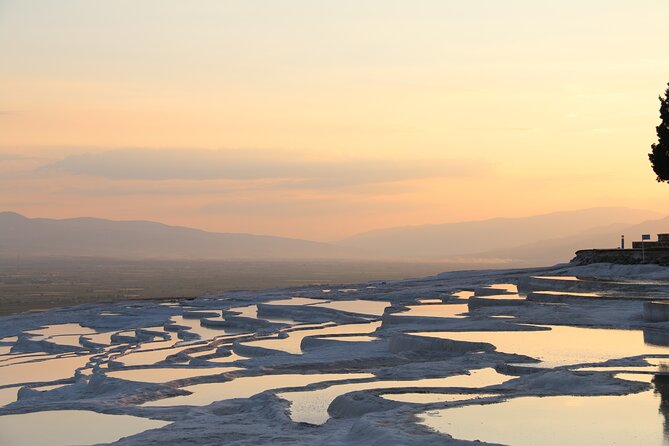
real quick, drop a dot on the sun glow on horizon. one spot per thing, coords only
(322, 119)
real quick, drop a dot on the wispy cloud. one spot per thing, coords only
(305, 207)
(293, 169)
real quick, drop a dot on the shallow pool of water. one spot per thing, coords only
(61, 334)
(251, 311)
(429, 301)
(204, 394)
(101, 338)
(369, 307)
(70, 427)
(351, 338)
(19, 358)
(567, 293)
(566, 278)
(436, 310)
(61, 329)
(636, 419)
(233, 357)
(464, 294)
(562, 345)
(641, 377)
(67, 340)
(49, 369)
(150, 357)
(312, 406)
(501, 296)
(165, 374)
(296, 301)
(510, 287)
(656, 365)
(426, 398)
(247, 311)
(195, 327)
(8, 395)
(292, 343)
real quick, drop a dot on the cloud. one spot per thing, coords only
(111, 188)
(295, 170)
(306, 207)
(11, 157)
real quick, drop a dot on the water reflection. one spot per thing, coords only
(436, 310)
(292, 344)
(501, 296)
(565, 278)
(562, 345)
(426, 398)
(464, 294)
(245, 387)
(150, 357)
(68, 427)
(8, 395)
(509, 287)
(312, 406)
(165, 374)
(567, 293)
(661, 385)
(559, 420)
(360, 306)
(49, 369)
(429, 301)
(296, 301)
(194, 326)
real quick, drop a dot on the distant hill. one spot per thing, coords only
(562, 249)
(143, 239)
(536, 240)
(527, 237)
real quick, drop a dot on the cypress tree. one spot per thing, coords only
(659, 157)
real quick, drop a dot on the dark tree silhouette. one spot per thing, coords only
(659, 158)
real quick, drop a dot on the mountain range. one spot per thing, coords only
(20, 235)
(534, 240)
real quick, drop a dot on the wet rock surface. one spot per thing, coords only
(311, 366)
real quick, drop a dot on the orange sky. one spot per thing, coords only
(322, 119)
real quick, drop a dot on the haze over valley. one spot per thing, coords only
(530, 241)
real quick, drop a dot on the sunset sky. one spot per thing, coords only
(319, 119)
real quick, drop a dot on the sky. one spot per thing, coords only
(321, 119)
